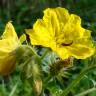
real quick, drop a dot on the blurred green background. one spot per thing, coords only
(24, 13)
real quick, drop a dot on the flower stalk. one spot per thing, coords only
(86, 92)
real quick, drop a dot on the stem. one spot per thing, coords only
(13, 90)
(45, 53)
(76, 81)
(25, 49)
(86, 92)
(32, 51)
(46, 81)
(25, 63)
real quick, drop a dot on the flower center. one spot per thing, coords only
(67, 44)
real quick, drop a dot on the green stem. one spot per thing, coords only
(13, 90)
(25, 63)
(45, 53)
(86, 92)
(32, 50)
(76, 81)
(46, 81)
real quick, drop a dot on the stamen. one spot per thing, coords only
(64, 44)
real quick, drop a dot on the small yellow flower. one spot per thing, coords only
(63, 33)
(8, 43)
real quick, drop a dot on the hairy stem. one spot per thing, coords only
(86, 92)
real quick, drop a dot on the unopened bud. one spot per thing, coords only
(60, 64)
(37, 86)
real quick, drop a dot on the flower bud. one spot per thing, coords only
(57, 66)
(7, 64)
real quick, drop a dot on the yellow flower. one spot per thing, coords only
(8, 43)
(63, 33)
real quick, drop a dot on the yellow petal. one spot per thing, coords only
(9, 32)
(39, 35)
(45, 30)
(7, 64)
(63, 53)
(82, 47)
(80, 52)
(55, 19)
(8, 44)
(22, 38)
(73, 30)
(53, 14)
(9, 39)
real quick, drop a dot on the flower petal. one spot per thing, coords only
(55, 19)
(80, 52)
(63, 53)
(46, 29)
(7, 64)
(39, 35)
(9, 32)
(9, 40)
(73, 29)
(8, 43)
(22, 38)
